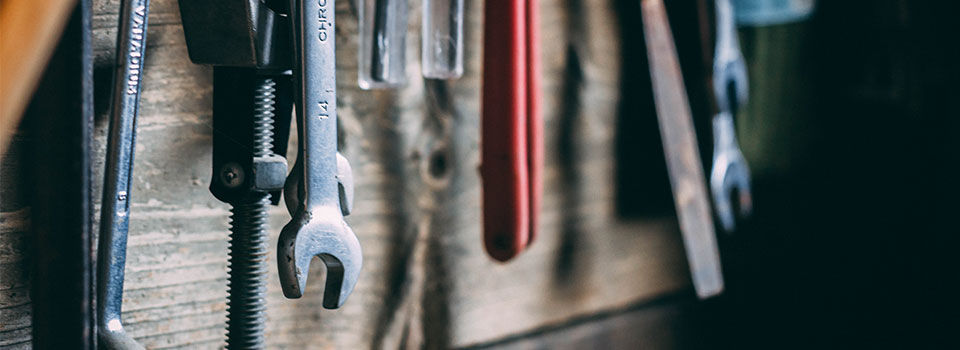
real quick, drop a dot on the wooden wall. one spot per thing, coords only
(426, 280)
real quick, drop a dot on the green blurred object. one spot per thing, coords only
(772, 126)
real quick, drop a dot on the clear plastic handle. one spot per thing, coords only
(442, 39)
(383, 34)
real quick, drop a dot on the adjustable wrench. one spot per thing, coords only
(317, 227)
(115, 207)
(730, 171)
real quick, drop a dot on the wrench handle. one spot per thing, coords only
(315, 68)
(121, 141)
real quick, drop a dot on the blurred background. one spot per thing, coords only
(850, 134)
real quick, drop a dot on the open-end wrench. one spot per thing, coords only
(317, 227)
(512, 143)
(730, 171)
(115, 208)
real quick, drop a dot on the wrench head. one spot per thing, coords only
(293, 190)
(730, 83)
(730, 172)
(345, 184)
(321, 233)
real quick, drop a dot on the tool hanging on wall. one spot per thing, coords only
(248, 44)
(681, 152)
(118, 173)
(730, 174)
(441, 43)
(258, 52)
(383, 35)
(321, 181)
(511, 140)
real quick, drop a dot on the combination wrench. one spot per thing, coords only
(115, 207)
(318, 227)
(730, 170)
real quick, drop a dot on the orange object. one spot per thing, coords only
(29, 30)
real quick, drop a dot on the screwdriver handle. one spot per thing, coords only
(442, 39)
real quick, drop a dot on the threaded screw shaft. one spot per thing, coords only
(246, 302)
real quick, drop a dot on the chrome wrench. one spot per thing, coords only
(317, 227)
(730, 170)
(115, 207)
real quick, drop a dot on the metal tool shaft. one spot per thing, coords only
(246, 301)
(317, 228)
(121, 141)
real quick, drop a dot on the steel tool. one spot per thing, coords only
(730, 173)
(121, 141)
(382, 39)
(248, 44)
(318, 227)
(512, 143)
(680, 148)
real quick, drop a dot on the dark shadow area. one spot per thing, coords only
(852, 243)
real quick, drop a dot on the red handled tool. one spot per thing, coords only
(512, 143)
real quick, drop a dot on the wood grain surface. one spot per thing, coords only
(426, 280)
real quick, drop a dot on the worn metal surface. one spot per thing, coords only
(317, 227)
(115, 205)
(414, 152)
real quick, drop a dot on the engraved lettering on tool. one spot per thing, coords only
(323, 110)
(136, 45)
(324, 24)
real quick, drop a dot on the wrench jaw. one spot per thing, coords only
(292, 189)
(112, 336)
(730, 77)
(730, 172)
(328, 237)
(729, 67)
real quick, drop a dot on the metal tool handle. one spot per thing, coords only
(441, 47)
(317, 105)
(121, 141)
(383, 34)
(317, 228)
(729, 68)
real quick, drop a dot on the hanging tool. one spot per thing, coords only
(121, 141)
(382, 34)
(321, 180)
(512, 144)
(680, 148)
(441, 47)
(730, 173)
(248, 43)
